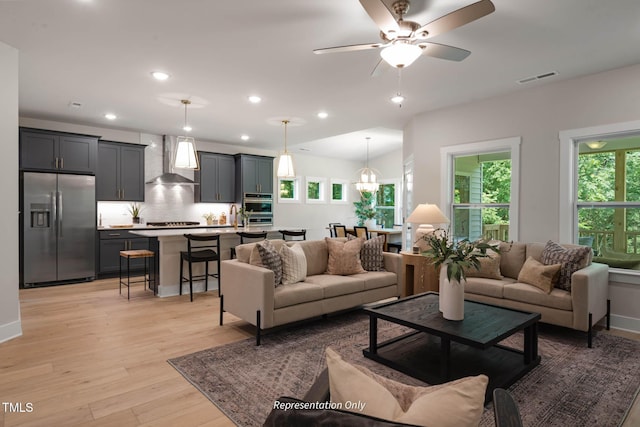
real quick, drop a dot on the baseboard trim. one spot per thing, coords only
(10, 330)
(624, 323)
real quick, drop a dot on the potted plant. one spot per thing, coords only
(245, 215)
(365, 210)
(454, 258)
(209, 217)
(134, 210)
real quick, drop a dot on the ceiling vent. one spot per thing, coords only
(538, 77)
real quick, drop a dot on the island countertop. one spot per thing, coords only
(171, 232)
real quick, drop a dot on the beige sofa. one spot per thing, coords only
(248, 290)
(581, 308)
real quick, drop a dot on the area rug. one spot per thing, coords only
(572, 386)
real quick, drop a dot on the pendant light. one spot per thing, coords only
(285, 161)
(186, 156)
(367, 176)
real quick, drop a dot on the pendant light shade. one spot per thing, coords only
(367, 177)
(285, 160)
(185, 156)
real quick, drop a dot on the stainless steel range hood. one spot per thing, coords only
(168, 176)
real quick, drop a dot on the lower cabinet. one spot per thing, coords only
(111, 243)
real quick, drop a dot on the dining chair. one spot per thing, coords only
(332, 231)
(294, 235)
(339, 230)
(247, 237)
(361, 231)
(206, 252)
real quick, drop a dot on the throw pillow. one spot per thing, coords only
(344, 257)
(455, 404)
(539, 275)
(371, 254)
(294, 264)
(571, 259)
(271, 260)
(489, 267)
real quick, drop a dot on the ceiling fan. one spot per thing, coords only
(404, 41)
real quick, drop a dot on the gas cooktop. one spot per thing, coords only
(172, 224)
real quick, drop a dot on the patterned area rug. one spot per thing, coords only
(572, 386)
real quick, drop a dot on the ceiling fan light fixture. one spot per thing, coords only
(285, 160)
(596, 145)
(397, 98)
(401, 54)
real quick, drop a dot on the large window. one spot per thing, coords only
(481, 191)
(608, 199)
(386, 205)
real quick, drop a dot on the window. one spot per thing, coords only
(288, 190)
(481, 198)
(387, 205)
(339, 191)
(608, 200)
(316, 190)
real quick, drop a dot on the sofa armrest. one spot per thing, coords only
(589, 294)
(246, 289)
(393, 263)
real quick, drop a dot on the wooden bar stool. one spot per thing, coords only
(128, 255)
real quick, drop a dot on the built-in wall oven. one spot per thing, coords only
(261, 207)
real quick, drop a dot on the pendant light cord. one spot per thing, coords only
(285, 122)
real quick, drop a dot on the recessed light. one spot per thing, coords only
(244, 137)
(110, 116)
(254, 99)
(397, 99)
(160, 75)
(323, 115)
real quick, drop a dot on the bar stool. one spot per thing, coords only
(204, 253)
(293, 234)
(256, 235)
(128, 255)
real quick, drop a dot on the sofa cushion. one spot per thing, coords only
(296, 293)
(489, 287)
(377, 279)
(334, 285)
(489, 267)
(344, 257)
(317, 255)
(457, 404)
(271, 259)
(571, 259)
(529, 294)
(294, 264)
(512, 257)
(539, 275)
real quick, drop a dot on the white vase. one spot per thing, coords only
(370, 224)
(451, 297)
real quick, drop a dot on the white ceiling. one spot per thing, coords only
(101, 52)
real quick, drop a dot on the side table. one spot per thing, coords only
(420, 275)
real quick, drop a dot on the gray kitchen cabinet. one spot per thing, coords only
(254, 174)
(51, 151)
(216, 178)
(111, 242)
(120, 173)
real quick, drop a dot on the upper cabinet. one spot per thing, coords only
(216, 178)
(254, 174)
(42, 150)
(120, 174)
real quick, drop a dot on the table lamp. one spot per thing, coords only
(426, 215)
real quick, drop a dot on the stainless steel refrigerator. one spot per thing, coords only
(59, 217)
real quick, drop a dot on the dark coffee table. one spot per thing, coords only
(437, 350)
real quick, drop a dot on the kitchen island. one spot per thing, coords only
(167, 244)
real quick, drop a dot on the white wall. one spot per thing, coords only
(537, 115)
(10, 325)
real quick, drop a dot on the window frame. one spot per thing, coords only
(345, 191)
(322, 190)
(447, 167)
(296, 190)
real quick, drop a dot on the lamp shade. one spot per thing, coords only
(186, 156)
(427, 214)
(400, 54)
(285, 166)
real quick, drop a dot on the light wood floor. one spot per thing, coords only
(89, 357)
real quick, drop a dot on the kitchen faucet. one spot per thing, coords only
(233, 209)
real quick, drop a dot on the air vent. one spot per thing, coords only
(75, 104)
(538, 77)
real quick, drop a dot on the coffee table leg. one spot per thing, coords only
(530, 343)
(373, 335)
(445, 358)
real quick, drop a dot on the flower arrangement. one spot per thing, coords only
(245, 215)
(457, 256)
(209, 217)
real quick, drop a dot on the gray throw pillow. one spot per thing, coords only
(271, 259)
(571, 259)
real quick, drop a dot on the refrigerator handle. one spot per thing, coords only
(54, 211)
(59, 213)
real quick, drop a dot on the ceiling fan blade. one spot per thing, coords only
(348, 48)
(444, 51)
(456, 18)
(382, 16)
(381, 67)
